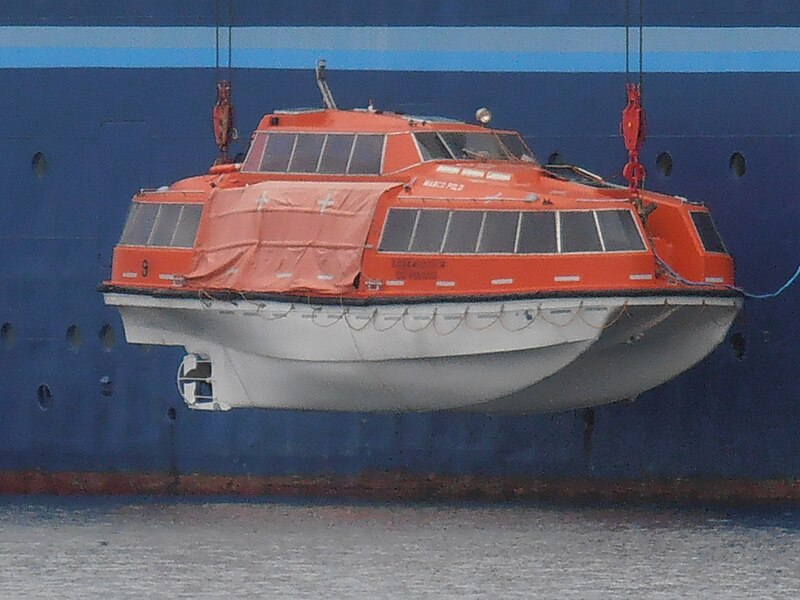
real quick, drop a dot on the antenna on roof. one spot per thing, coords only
(327, 97)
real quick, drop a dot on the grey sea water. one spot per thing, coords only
(145, 548)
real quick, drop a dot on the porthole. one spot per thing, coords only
(7, 335)
(664, 164)
(737, 164)
(554, 159)
(39, 164)
(107, 337)
(106, 386)
(44, 397)
(74, 337)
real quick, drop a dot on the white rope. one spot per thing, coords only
(459, 322)
(366, 323)
(412, 330)
(497, 318)
(528, 318)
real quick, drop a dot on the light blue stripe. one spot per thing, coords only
(482, 49)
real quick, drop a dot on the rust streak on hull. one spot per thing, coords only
(405, 487)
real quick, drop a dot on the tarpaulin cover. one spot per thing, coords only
(284, 237)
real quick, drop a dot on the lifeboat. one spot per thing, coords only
(358, 260)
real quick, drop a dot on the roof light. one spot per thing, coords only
(483, 116)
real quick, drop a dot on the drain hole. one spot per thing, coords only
(39, 164)
(74, 337)
(44, 396)
(664, 164)
(172, 414)
(554, 159)
(7, 335)
(107, 337)
(737, 164)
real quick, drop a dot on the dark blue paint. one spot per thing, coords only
(108, 132)
(588, 13)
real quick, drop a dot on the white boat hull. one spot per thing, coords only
(515, 356)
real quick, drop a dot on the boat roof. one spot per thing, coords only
(367, 120)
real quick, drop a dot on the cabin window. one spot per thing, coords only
(306, 153)
(516, 145)
(331, 154)
(619, 231)
(278, 151)
(499, 232)
(510, 232)
(463, 231)
(712, 242)
(367, 155)
(253, 160)
(430, 230)
(579, 232)
(537, 233)
(161, 224)
(469, 145)
(431, 146)
(336, 154)
(186, 231)
(166, 223)
(398, 230)
(139, 224)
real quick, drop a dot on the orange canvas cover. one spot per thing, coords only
(284, 237)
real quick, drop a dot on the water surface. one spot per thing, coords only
(138, 547)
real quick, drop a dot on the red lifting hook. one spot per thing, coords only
(634, 129)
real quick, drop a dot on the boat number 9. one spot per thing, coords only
(145, 268)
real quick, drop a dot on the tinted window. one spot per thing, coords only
(579, 232)
(709, 235)
(306, 153)
(139, 224)
(515, 145)
(462, 234)
(619, 230)
(431, 146)
(474, 145)
(367, 155)
(430, 231)
(537, 233)
(278, 152)
(397, 230)
(187, 226)
(166, 222)
(499, 232)
(336, 154)
(253, 160)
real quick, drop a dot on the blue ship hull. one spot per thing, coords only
(81, 410)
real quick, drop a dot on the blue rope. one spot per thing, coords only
(685, 281)
(774, 294)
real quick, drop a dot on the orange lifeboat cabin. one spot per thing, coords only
(359, 260)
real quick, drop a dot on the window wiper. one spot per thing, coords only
(482, 155)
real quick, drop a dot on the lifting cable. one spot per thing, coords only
(633, 126)
(223, 122)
